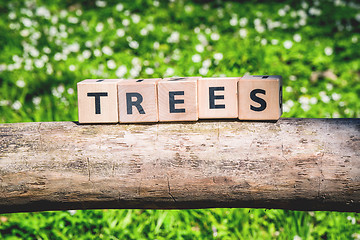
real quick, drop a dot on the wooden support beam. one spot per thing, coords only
(299, 164)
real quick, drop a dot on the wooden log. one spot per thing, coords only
(299, 164)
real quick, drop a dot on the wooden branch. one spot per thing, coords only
(299, 164)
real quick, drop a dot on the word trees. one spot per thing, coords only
(179, 99)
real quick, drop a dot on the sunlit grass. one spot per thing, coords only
(48, 46)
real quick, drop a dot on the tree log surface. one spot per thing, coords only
(298, 164)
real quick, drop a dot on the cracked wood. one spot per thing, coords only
(299, 164)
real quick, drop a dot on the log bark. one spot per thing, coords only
(298, 164)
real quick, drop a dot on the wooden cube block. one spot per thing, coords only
(177, 99)
(217, 97)
(97, 101)
(138, 100)
(260, 97)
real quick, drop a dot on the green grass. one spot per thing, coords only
(46, 47)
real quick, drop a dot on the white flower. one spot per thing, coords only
(263, 41)
(202, 39)
(12, 15)
(156, 45)
(144, 32)
(27, 22)
(243, 21)
(120, 32)
(57, 56)
(4, 102)
(100, 3)
(281, 12)
(288, 105)
(274, 41)
(121, 71)
(86, 54)
(107, 50)
(288, 89)
(73, 20)
(36, 100)
(188, 8)
(325, 99)
(119, 7)
(296, 237)
(24, 32)
(328, 51)
(88, 44)
(196, 58)
(199, 48)
(233, 21)
(134, 72)
(72, 67)
(215, 36)
(39, 63)
(206, 63)
(134, 44)
(174, 37)
(16, 105)
(243, 32)
(135, 18)
(20, 83)
(336, 96)
(288, 44)
(70, 91)
(75, 47)
(126, 22)
(357, 17)
(97, 53)
(297, 37)
(99, 27)
(313, 100)
(72, 212)
(47, 50)
(329, 86)
(169, 71)
(292, 77)
(315, 11)
(203, 71)
(111, 64)
(304, 100)
(149, 71)
(218, 56)
(303, 89)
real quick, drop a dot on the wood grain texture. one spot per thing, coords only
(271, 85)
(98, 109)
(147, 111)
(223, 97)
(184, 99)
(299, 164)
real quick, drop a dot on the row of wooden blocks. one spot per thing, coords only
(179, 99)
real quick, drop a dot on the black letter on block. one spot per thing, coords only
(97, 100)
(212, 97)
(258, 100)
(130, 103)
(172, 102)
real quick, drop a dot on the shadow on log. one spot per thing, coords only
(298, 164)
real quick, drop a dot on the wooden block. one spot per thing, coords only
(217, 97)
(177, 99)
(260, 97)
(97, 101)
(138, 100)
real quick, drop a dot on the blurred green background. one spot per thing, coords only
(46, 47)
